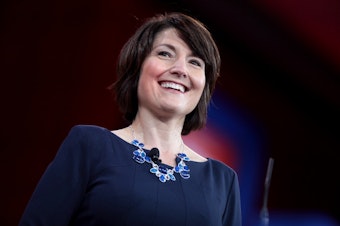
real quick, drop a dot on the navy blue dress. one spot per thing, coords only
(94, 180)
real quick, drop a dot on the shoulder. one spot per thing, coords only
(89, 142)
(221, 169)
(220, 165)
(88, 135)
(222, 178)
(86, 129)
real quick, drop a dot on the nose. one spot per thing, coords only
(179, 68)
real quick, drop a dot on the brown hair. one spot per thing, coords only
(137, 48)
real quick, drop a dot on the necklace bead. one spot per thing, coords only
(163, 173)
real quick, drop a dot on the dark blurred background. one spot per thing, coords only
(280, 74)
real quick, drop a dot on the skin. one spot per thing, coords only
(167, 71)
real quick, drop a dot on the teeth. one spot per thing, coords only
(173, 86)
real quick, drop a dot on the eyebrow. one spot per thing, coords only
(173, 48)
(166, 45)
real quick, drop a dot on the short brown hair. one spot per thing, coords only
(137, 48)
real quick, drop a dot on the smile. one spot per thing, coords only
(172, 85)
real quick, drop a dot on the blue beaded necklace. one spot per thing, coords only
(163, 173)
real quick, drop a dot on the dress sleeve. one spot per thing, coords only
(61, 188)
(232, 215)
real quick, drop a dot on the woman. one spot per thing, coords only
(166, 74)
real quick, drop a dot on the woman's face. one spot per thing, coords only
(172, 79)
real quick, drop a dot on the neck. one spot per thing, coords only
(157, 132)
(164, 136)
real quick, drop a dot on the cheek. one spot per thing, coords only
(144, 75)
(150, 67)
(200, 82)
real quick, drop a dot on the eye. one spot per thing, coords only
(164, 54)
(197, 62)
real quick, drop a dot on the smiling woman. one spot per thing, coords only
(144, 174)
(171, 80)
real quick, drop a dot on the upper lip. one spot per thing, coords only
(176, 82)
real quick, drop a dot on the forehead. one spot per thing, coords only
(170, 36)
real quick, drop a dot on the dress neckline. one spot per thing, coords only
(147, 150)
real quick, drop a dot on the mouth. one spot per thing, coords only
(175, 86)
